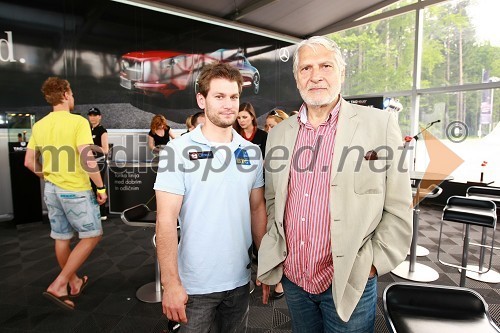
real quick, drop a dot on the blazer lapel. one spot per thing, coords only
(346, 127)
(289, 139)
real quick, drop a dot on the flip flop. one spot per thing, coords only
(85, 280)
(59, 300)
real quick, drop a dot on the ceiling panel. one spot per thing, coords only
(107, 21)
(297, 18)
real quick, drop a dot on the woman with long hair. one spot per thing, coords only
(246, 126)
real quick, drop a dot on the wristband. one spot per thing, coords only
(101, 190)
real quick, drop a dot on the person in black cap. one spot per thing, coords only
(100, 147)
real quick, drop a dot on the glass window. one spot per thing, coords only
(404, 118)
(460, 46)
(469, 127)
(396, 5)
(379, 55)
(460, 42)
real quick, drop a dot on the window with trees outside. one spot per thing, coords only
(453, 77)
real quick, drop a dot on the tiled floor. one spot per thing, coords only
(124, 261)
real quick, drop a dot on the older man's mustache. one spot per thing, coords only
(316, 87)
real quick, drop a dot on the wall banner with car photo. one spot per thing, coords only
(131, 62)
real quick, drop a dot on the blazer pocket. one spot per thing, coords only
(369, 177)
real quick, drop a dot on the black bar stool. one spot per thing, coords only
(484, 193)
(423, 308)
(142, 216)
(468, 212)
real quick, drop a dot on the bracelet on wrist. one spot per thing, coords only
(101, 190)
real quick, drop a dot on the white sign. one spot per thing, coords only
(7, 48)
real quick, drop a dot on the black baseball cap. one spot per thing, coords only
(94, 112)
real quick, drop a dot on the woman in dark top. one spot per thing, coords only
(160, 133)
(246, 126)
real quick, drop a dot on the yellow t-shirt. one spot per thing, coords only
(56, 137)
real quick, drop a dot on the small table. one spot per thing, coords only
(410, 269)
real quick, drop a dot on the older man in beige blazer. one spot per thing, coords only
(367, 204)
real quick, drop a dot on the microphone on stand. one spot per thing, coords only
(416, 140)
(427, 127)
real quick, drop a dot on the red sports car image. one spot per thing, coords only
(168, 72)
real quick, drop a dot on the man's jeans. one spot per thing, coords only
(225, 312)
(316, 313)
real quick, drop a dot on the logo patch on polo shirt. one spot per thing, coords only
(200, 155)
(241, 157)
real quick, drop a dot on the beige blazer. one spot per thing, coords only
(370, 201)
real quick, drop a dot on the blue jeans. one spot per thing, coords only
(313, 313)
(224, 312)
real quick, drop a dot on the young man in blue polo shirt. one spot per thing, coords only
(210, 179)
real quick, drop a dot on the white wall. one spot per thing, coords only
(6, 207)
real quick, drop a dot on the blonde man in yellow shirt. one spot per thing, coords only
(63, 141)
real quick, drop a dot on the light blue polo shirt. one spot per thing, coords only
(215, 180)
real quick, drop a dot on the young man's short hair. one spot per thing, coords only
(218, 70)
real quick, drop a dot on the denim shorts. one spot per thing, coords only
(71, 212)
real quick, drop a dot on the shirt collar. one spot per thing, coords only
(302, 117)
(198, 137)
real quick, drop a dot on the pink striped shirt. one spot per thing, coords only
(309, 261)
